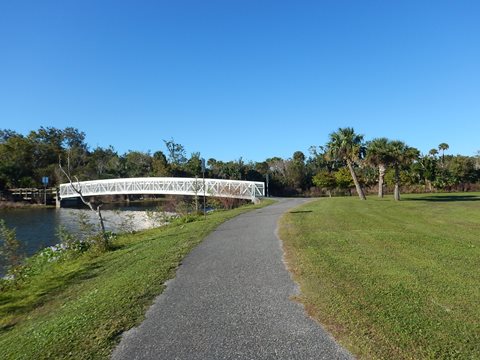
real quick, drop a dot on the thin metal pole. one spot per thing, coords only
(204, 188)
(204, 199)
(196, 194)
(267, 184)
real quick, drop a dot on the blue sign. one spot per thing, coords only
(45, 180)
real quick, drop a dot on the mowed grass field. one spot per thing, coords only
(391, 280)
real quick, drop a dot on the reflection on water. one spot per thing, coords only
(36, 227)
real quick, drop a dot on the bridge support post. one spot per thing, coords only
(58, 200)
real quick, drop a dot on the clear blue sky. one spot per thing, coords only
(243, 78)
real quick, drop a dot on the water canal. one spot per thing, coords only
(36, 228)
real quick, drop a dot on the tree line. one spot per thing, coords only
(345, 164)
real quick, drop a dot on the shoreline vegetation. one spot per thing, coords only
(390, 280)
(22, 205)
(79, 306)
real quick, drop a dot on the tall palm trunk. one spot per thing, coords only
(430, 188)
(355, 181)
(381, 176)
(396, 193)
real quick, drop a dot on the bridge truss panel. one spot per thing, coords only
(168, 186)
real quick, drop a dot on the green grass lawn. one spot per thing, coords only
(391, 280)
(78, 308)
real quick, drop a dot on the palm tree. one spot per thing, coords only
(443, 147)
(378, 155)
(345, 145)
(401, 155)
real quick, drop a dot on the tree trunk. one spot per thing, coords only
(360, 192)
(381, 176)
(78, 190)
(102, 225)
(396, 193)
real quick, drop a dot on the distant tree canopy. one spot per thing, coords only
(378, 165)
(26, 159)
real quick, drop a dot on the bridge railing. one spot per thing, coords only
(164, 185)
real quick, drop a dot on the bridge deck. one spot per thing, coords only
(167, 185)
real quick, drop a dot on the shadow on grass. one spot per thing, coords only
(116, 247)
(446, 198)
(17, 303)
(300, 211)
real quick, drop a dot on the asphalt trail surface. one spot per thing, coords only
(231, 299)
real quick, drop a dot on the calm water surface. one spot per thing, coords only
(36, 227)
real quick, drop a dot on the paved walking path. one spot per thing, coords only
(231, 300)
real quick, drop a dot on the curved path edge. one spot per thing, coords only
(230, 299)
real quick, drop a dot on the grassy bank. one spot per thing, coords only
(78, 308)
(391, 280)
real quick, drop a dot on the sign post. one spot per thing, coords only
(45, 183)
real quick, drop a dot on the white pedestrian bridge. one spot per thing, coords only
(238, 189)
